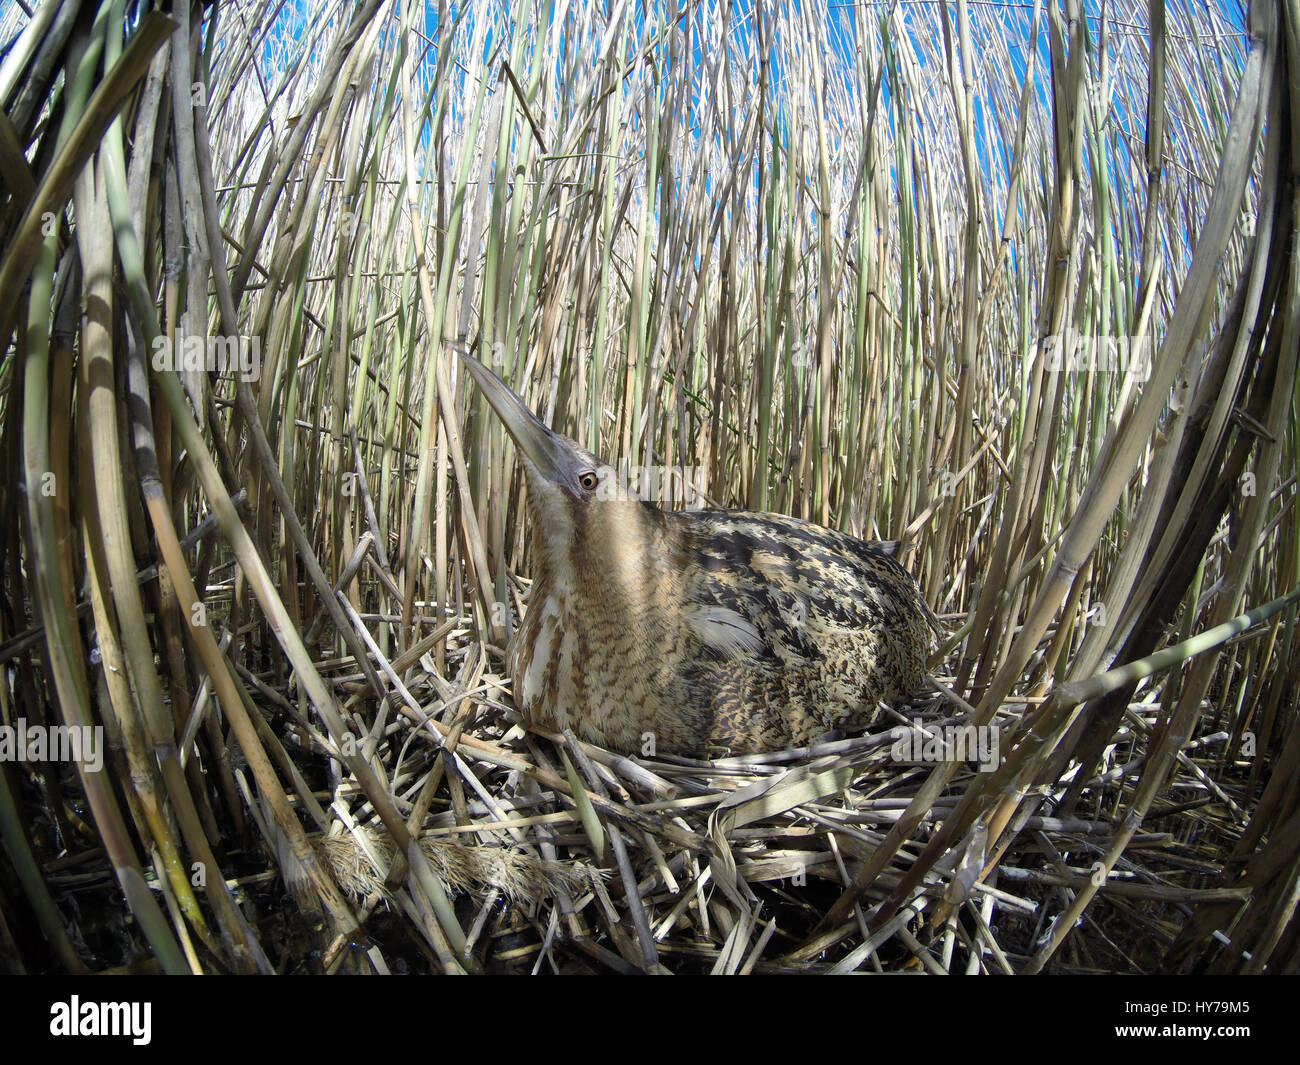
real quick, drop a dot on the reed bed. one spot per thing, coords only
(1013, 284)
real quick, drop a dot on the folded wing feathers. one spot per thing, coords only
(724, 629)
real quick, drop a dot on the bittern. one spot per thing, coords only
(696, 632)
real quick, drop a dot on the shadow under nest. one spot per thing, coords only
(730, 865)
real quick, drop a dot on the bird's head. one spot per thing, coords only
(565, 480)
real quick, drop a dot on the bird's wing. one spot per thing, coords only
(764, 581)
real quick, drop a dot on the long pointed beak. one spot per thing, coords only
(550, 453)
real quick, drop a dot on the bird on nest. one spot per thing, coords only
(696, 632)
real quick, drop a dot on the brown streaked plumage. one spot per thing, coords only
(714, 631)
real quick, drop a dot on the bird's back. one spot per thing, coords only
(802, 630)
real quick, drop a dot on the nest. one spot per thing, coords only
(557, 856)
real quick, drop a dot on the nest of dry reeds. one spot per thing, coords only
(559, 856)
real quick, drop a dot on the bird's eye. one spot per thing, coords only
(588, 481)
